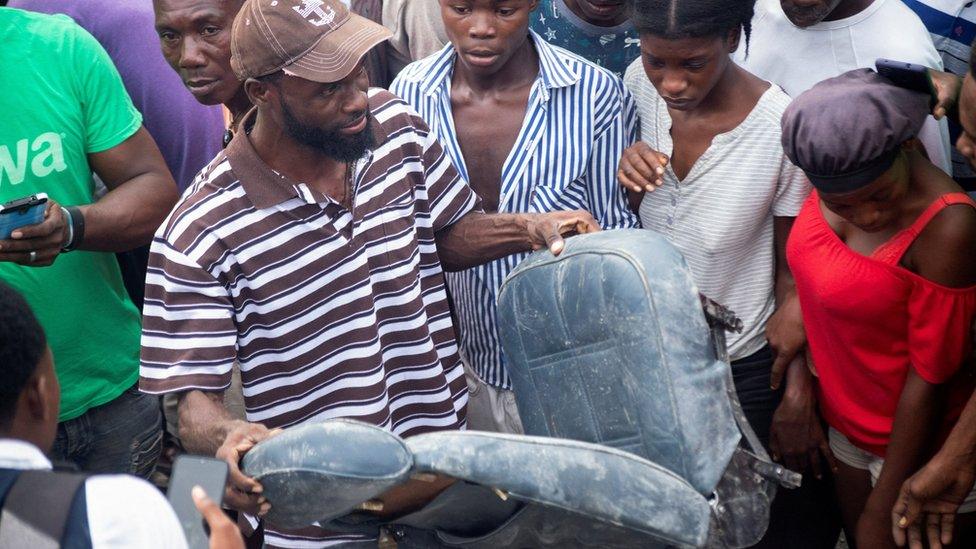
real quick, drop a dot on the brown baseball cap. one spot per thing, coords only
(318, 40)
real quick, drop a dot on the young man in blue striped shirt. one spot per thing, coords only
(533, 128)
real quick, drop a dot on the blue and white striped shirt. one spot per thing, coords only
(952, 24)
(579, 120)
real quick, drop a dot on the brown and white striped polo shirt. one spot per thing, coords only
(330, 313)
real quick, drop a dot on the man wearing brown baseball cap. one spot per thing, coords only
(317, 40)
(312, 252)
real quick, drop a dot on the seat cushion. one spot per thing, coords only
(323, 470)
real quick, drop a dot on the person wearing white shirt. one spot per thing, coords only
(111, 511)
(798, 44)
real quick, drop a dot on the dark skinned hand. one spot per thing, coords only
(928, 502)
(224, 534)
(45, 239)
(547, 230)
(243, 493)
(797, 438)
(408, 497)
(641, 168)
(947, 87)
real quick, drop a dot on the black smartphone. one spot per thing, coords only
(909, 76)
(15, 214)
(189, 471)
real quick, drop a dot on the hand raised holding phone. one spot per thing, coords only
(33, 231)
(224, 534)
(194, 477)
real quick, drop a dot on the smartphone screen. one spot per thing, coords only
(189, 471)
(21, 213)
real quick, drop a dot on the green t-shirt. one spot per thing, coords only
(61, 98)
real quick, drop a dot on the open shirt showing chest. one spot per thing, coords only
(578, 121)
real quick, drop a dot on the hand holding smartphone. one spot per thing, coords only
(188, 472)
(224, 534)
(909, 76)
(21, 212)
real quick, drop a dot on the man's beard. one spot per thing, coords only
(333, 144)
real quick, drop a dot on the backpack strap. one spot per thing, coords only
(36, 509)
(892, 251)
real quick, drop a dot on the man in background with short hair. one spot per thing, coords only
(186, 132)
(194, 36)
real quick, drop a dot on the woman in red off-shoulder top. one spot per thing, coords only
(882, 257)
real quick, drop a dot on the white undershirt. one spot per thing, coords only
(796, 58)
(123, 511)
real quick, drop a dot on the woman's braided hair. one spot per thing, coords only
(692, 18)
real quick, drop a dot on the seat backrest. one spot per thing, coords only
(607, 343)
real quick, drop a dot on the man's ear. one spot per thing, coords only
(257, 91)
(35, 395)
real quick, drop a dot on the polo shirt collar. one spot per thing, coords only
(555, 69)
(264, 186)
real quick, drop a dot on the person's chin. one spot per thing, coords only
(210, 95)
(804, 19)
(602, 13)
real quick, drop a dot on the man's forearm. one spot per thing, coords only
(479, 238)
(799, 381)
(204, 422)
(128, 216)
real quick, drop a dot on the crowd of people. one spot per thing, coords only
(263, 213)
